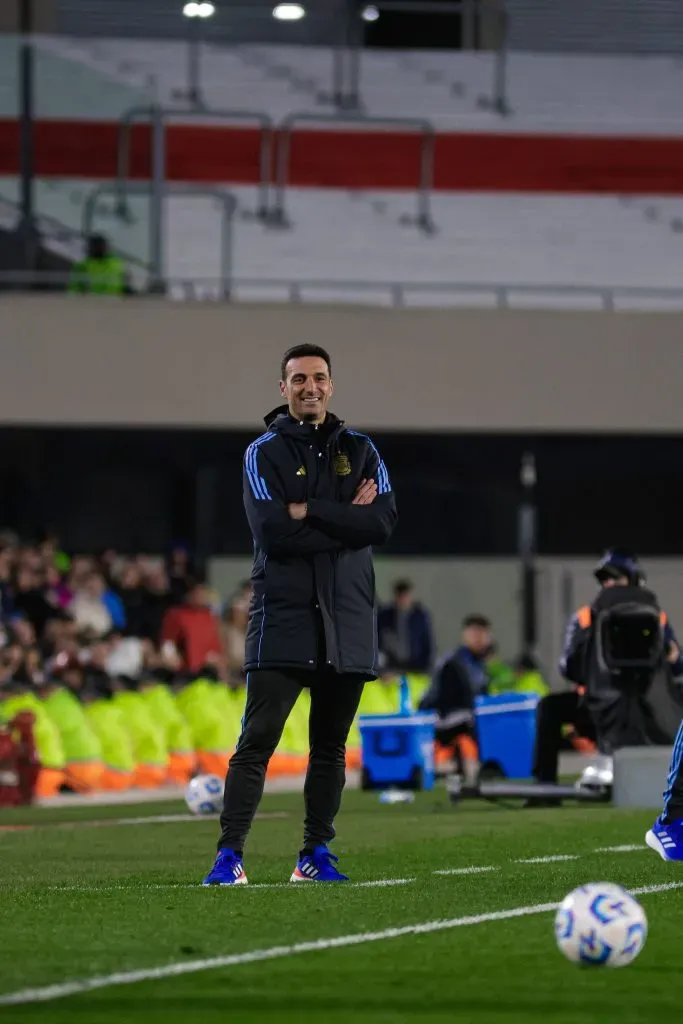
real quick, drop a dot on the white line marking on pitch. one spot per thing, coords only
(467, 871)
(627, 848)
(381, 882)
(548, 860)
(474, 869)
(71, 988)
(157, 819)
(387, 881)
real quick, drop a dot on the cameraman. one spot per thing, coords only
(597, 706)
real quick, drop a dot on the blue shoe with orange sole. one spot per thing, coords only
(228, 870)
(317, 866)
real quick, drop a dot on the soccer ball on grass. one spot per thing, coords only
(600, 925)
(204, 794)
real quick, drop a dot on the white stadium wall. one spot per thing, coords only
(453, 587)
(66, 360)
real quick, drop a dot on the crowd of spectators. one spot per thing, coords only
(133, 667)
(95, 620)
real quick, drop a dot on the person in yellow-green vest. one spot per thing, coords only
(521, 677)
(82, 748)
(101, 272)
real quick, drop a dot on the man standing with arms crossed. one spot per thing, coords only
(317, 496)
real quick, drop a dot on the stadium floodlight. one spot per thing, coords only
(289, 12)
(203, 10)
(370, 13)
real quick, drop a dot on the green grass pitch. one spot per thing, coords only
(83, 895)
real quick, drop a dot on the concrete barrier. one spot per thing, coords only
(640, 776)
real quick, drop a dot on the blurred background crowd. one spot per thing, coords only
(132, 665)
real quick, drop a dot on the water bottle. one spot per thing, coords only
(396, 796)
(405, 704)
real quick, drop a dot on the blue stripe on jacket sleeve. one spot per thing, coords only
(383, 481)
(257, 483)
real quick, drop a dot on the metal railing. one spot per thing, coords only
(399, 294)
(474, 14)
(157, 281)
(157, 115)
(423, 217)
(51, 229)
(338, 25)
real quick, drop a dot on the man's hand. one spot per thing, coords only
(673, 654)
(366, 493)
(297, 511)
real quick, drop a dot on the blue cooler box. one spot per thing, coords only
(506, 732)
(397, 750)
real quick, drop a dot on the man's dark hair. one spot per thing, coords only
(300, 352)
(476, 620)
(403, 587)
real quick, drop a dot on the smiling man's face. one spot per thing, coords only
(307, 388)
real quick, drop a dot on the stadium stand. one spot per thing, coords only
(588, 219)
(558, 93)
(588, 242)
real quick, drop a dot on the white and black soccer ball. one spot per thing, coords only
(204, 794)
(600, 925)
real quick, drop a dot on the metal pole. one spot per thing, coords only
(467, 26)
(424, 216)
(156, 206)
(229, 206)
(279, 215)
(123, 156)
(27, 227)
(500, 67)
(354, 30)
(193, 60)
(266, 170)
(338, 76)
(527, 546)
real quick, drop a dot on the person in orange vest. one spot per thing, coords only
(593, 707)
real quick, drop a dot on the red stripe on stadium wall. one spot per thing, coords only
(351, 159)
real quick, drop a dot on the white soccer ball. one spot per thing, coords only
(204, 794)
(600, 924)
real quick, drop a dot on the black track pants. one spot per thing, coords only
(554, 711)
(271, 695)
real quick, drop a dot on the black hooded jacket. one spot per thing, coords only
(313, 579)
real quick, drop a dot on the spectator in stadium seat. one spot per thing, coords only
(180, 571)
(158, 600)
(89, 608)
(101, 272)
(405, 633)
(58, 593)
(29, 598)
(194, 630)
(132, 594)
(22, 631)
(234, 631)
(6, 600)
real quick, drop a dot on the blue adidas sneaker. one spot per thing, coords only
(228, 870)
(666, 839)
(317, 866)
